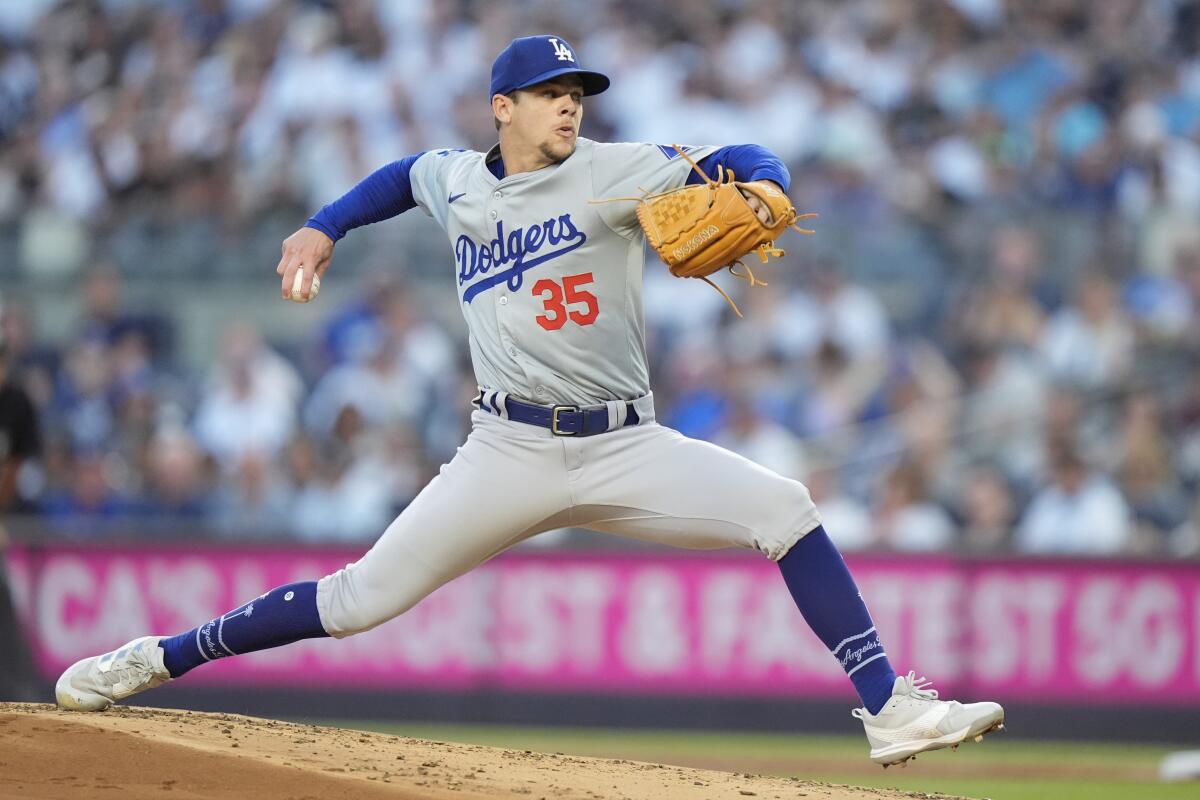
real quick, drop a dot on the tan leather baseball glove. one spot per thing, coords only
(704, 228)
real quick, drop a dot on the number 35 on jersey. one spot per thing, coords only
(566, 301)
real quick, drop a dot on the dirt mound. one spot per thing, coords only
(151, 753)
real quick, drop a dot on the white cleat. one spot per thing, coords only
(915, 721)
(95, 683)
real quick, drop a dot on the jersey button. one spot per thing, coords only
(540, 390)
(492, 214)
(503, 300)
(498, 195)
(512, 351)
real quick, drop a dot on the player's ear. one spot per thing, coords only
(502, 109)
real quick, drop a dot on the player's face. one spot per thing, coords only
(548, 115)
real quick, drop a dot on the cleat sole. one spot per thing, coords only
(978, 737)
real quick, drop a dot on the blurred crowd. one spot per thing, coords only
(990, 345)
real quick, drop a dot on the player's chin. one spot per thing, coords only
(560, 147)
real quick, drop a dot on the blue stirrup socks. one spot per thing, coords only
(283, 615)
(827, 596)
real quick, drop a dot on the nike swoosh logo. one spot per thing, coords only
(454, 197)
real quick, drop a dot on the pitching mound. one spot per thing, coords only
(152, 754)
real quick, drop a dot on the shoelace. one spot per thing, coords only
(122, 675)
(915, 688)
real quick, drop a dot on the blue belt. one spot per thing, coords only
(561, 420)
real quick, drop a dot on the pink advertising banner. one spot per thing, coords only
(650, 623)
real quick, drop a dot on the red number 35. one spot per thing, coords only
(554, 298)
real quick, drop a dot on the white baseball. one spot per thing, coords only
(298, 285)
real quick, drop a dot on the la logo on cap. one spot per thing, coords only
(562, 51)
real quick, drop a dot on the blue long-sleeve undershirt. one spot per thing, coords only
(383, 194)
(387, 191)
(749, 162)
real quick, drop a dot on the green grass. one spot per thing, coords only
(1001, 768)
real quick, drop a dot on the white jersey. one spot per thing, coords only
(551, 283)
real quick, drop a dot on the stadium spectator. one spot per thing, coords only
(987, 510)
(1090, 342)
(105, 317)
(252, 500)
(748, 432)
(90, 502)
(250, 402)
(1002, 414)
(374, 384)
(178, 486)
(1144, 473)
(82, 407)
(1003, 310)
(1080, 512)
(905, 518)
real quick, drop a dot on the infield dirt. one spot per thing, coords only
(134, 753)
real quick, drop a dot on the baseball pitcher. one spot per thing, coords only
(547, 231)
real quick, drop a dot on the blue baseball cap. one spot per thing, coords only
(533, 59)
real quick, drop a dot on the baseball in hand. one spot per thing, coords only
(298, 285)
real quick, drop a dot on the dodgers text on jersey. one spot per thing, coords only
(513, 253)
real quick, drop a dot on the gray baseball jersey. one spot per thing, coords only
(551, 283)
(551, 288)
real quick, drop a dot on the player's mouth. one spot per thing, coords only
(565, 131)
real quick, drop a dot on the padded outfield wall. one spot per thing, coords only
(645, 637)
